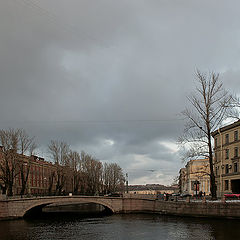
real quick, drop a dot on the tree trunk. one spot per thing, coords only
(213, 189)
(23, 189)
(10, 190)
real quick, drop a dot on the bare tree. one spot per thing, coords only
(9, 162)
(106, 178)
(76, 165)
(51, 178)
(15, 143)
(26, 144)
(113, 178)
(210, 105)
(59, 152)
(92, 170)
(175, 180)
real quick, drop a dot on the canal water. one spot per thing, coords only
(134, 226)
(52, 225)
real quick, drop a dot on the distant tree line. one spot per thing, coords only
(88, 175)
(79, 173)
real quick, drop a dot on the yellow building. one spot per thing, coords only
(226, 161)
(195, 175)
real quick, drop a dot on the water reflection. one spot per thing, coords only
(137, 226)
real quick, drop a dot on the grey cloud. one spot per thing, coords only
(85, 71)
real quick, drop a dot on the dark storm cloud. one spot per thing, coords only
(93, 73)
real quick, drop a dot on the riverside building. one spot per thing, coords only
(40, 176)
(226, 160)
(195, 177)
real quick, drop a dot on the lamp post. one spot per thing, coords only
(127, 182)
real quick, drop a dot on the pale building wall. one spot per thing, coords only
(195, 170)
(227, 157)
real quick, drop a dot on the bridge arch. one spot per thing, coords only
(37, 205)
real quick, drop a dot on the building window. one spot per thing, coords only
(236, 152)
(227, 153)
(235, 135)
(235, 167)
(227, 169)
(227, 138)
(226, 184)
(216, 171)
(216, 142)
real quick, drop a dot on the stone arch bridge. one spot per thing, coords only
(17, 208)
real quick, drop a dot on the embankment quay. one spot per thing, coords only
(18, 208)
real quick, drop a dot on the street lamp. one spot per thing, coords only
(127, 182)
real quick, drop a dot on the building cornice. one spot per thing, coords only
(228, 127)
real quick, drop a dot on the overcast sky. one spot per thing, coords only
(110, 77)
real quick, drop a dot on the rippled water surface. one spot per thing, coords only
(137, 226)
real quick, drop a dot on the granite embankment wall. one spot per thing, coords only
(10, 209)
(193, 209)
(3, 210)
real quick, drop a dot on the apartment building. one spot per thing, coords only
(39, 178)
(226, 160)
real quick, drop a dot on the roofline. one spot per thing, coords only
(198, 159)
(228, 127)
(206, 159)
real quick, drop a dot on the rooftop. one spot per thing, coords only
(228, 127)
